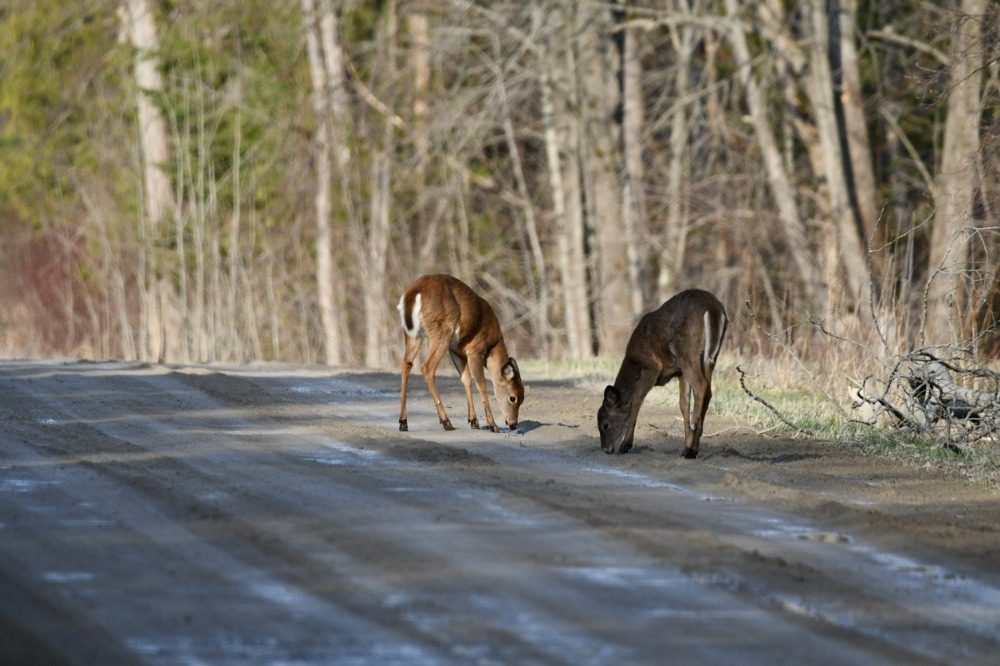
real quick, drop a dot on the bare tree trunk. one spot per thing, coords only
(376, 349)
(140, 29)
(198, 230)
(553, 153)
(235, 348)
(575, 202)
(325, 275)
(781, 187)
(540, 307)
(341, 130)
(633, 182)
(420, 53)
(956, 181)
(853, 252)
(599, 94)
(859, 147)
(672, 259)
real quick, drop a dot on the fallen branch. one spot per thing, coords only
(772, 408)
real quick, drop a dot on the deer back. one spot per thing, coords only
(688, 326)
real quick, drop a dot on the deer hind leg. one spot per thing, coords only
(684, 400)
(428, 369)
(409, 355)
(476, 365)
(462, 365)
(701, 394)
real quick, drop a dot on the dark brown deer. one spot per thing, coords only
(680, 339)
(456, 321)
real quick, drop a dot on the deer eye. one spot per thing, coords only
(512, 398)
(605, 426)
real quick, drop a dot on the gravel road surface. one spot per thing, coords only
(275, 515)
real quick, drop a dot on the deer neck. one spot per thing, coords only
(496, 359)
(634, 381)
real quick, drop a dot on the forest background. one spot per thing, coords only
(245, 180)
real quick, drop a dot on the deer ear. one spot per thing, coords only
(509, 369)
(612, 397)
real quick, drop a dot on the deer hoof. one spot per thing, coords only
(690, 454)
(625, 447)
(446, 424)
(402, 425)
(474, 424)
(494, 427)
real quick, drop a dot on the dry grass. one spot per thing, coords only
(814, 396)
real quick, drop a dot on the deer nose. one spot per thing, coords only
(511, 425)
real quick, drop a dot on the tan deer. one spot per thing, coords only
(680, 339)
(458, 322)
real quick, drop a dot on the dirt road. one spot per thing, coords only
(276, 515)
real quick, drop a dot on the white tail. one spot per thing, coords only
(455, 320)
(410, 320)
(711, 353)
(682, 339)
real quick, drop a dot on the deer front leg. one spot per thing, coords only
(462, 365)
(428, 369)
(476, 365)
(409, 354)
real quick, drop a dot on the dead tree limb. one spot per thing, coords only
(774, 410)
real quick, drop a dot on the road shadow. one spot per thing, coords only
(524, 427)
(730, 451)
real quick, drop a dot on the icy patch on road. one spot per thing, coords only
(338, 386)
(779, 528)
(650, 482)
(628, 577)
(344, 454)
(67, 576)
(85, 522)
(973, 600)
(23, 485)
